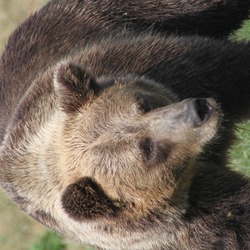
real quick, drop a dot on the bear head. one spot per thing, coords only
(128, 143)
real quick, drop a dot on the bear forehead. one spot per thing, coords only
(129, 100)
(120, 112)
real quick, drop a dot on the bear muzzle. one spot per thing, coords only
(199, 110)
(195, 120)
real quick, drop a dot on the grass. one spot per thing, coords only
(243, 34)
(48, 241)
(240, 152)
(18, 231)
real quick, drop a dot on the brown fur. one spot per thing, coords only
(85, 200)
(116, 136)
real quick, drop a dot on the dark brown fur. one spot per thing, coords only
(86, 200)
(116, 118)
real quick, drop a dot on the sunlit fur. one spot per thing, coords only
(101, 137)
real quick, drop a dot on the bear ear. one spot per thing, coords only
(86, 200)
(75, 87)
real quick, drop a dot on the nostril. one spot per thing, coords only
(203, 108)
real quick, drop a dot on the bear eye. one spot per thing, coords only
(148, 103)
(144, 105)
(147, 148)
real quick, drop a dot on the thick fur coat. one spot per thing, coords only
(116, 118)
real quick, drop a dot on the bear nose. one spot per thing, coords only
(199, 110)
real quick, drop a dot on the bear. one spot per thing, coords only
(117, 117)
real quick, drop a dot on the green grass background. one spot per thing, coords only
(18, 231)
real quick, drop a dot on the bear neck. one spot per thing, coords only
(29, 153)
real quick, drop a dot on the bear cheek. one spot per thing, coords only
(86, 200)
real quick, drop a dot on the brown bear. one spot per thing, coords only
(116, 118)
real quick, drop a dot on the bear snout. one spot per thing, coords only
(200, 110)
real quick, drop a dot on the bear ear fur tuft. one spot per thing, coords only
(75, 86)
(85, 199)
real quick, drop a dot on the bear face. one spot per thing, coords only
(132, 137)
